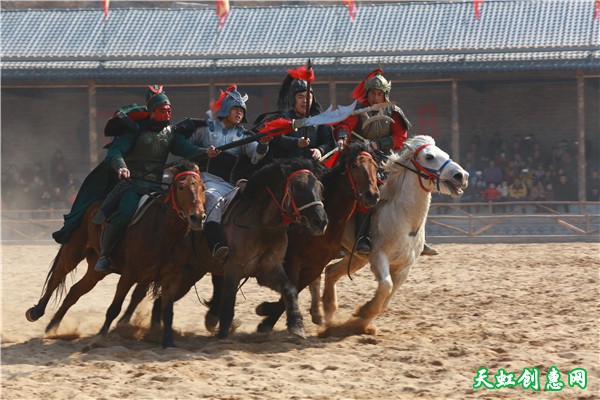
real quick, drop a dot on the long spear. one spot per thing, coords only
(308, 98)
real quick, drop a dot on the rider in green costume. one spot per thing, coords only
(143, 140)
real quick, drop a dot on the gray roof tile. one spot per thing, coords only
(559, 33)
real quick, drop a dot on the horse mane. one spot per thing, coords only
(350, 152)
(185, 165)
(408, 149)
(273, 172)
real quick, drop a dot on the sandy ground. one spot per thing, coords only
(493, 306)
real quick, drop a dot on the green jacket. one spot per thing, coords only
(103, 179)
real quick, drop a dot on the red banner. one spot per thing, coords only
(352, 9)
(105, 4)
(222, 12)
(477, 4)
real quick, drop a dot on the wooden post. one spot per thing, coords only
(455, 142)
(332, 92)
(581, 136)
(92, 131)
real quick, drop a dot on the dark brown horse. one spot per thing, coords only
(255, 227)
(146, 243)
(351, 182)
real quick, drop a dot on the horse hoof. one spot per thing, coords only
(318, 320)
(297, 331)
(170, 345)
(32, 315)
(264, 328)
(211, 322)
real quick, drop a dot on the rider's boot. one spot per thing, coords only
(363, 241)
(213, 233)
(108, 240)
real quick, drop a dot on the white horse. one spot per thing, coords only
(397, 231)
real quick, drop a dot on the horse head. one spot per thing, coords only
(361, 171)
(186, 194)
(303, 195)
(435, 169)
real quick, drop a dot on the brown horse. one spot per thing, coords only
(163, 224)
(352, 181)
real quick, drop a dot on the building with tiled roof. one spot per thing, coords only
(525, 66)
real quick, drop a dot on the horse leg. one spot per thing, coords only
(230, 285)
(167, 317)
(316, 306)
(211, 320)
(140, 291)
(333, 273)
(272, 312)
(279, 281)
(398, 279)
(125, 283)
(381, 269)
(157, 311)
(61, 266)
(84, 285)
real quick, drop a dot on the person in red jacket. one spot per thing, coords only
(385, 131)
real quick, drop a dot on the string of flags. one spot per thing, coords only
(223, 9)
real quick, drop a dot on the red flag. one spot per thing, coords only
(351, 8)
(597, 9)
(222, 11)
(105, 4)
(477, 4)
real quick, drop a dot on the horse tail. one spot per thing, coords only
(61, 286)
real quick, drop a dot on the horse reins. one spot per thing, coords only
(287, 194)
(357, 193)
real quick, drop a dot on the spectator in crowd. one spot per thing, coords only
(491, 193)
(492, 173)
(59, 175)
(593, 186)
(494, 144)
(549, 191)
(538, 193)
(564, 190)
(517, 192)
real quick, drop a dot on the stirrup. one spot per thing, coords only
(363, 246)
(103, 265)
(220, 254)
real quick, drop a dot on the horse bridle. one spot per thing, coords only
(428, 174)
(171, 195)
(357, 194)
(288, 197)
